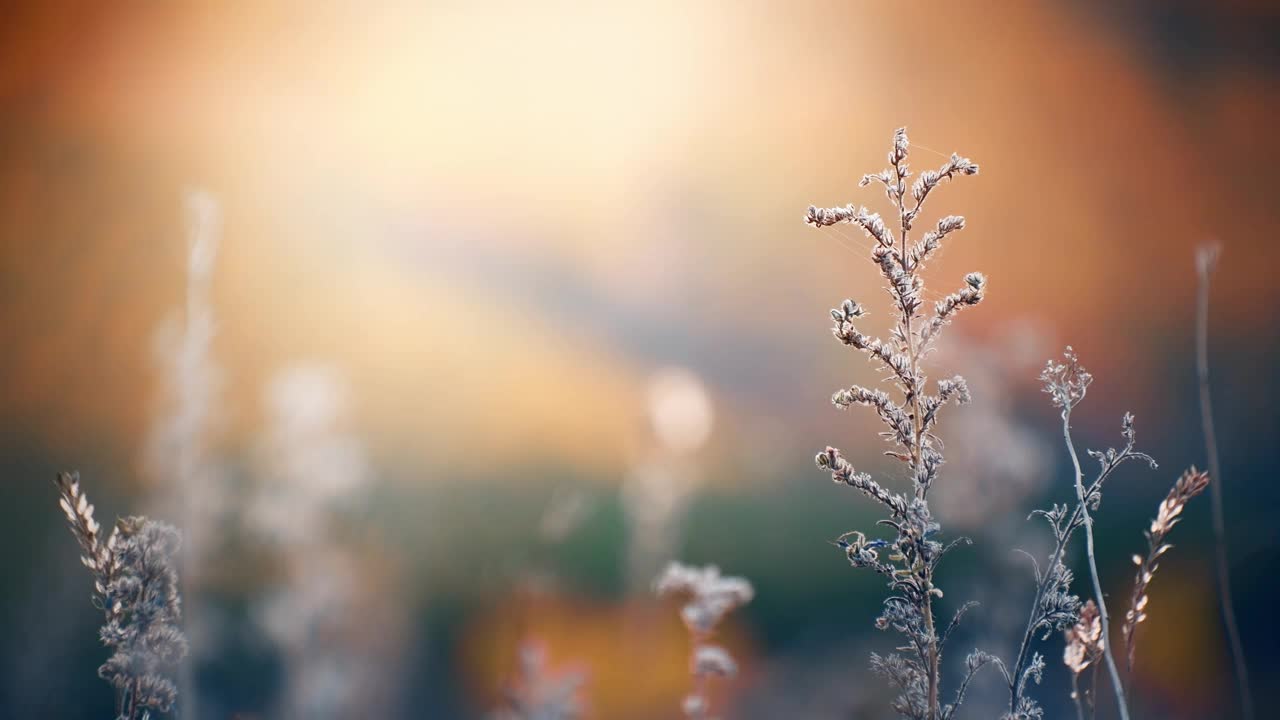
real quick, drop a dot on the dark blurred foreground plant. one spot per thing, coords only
(136, 587)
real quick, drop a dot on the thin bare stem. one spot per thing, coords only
(1075, 696)
(1121, 703)
(1206, 261)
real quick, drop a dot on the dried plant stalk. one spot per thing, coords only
(1054, 606)
(1067, 383)
(911, 558)
(1191, 483)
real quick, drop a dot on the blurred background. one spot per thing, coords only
(441, 327)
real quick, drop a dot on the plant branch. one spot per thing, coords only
(1112, 670)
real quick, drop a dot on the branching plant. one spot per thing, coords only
(711, 596)
(908, 560)
(136, 587)
(1067, 383)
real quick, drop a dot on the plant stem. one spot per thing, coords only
(1215, 493)
(1121, 703)
(1093, 693)
(1027, 637)
(921, 490)
(917, 453)
(933, 659)
(132, 702)
(1075, 695)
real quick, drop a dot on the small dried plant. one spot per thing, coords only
(136, 586)
(909, 560)
(1067, 382)
(535, 694)
(1083, 650)
(711, 596)
(1191, 483)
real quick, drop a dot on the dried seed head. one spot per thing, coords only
(1066, 382)
(1084, 639)
(1189, 484)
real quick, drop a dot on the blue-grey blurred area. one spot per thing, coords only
(439, 328)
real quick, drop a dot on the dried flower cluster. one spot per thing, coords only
(710, 596)
(1191, 483)
(136, 587)
(908, 560)
(1083, 640)
(1066, 381)
(1083, 649)
(536, 695)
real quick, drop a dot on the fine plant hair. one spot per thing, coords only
(909, 560)
(1054, 606)
(1191, 483)
(1206, 263)
(710, 596)
(135, 585)
(536, 695)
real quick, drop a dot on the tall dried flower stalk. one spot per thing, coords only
(1206, 263)
(909, 560)
(711, 596)
(1191, 483)
(136, 587)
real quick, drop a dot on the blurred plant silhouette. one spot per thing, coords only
(711, 596)
(1206, 263)
(535, 694)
